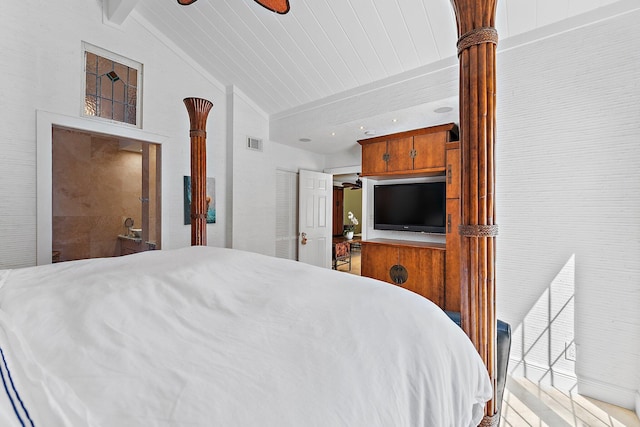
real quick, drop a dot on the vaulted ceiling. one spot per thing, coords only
(322, 48)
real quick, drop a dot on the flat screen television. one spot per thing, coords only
(410, 207)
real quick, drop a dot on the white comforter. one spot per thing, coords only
(217, 337)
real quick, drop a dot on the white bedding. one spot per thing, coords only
(216, 337)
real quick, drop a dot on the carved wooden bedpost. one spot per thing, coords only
(198, 109)
(477, 53)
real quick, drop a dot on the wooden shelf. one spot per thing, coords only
(414, 173)
(407, 243)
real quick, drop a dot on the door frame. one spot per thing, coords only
(45, 121)
(344, 170)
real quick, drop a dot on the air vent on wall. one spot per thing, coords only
(254, 144)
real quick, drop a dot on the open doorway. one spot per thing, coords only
(347, 222)
(105, 195)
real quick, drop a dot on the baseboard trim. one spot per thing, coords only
(610, 393)
(542, 375)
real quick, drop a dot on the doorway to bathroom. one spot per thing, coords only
(106, 198)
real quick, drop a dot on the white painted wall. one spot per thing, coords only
(254, 176)
(568, 198)
(42, 69)
(345, 158)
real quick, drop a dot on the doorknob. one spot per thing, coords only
(303, 238)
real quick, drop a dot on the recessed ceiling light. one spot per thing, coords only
(305, 140)
(333, 134)
(443, 110)
(394, 120)
(361, 127)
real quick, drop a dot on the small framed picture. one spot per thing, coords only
(211, 200)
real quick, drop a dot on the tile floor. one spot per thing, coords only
(526, 404)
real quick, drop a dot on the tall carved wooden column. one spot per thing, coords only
(198, 109)
(477, 53)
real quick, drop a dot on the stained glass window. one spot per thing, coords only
(111, 89)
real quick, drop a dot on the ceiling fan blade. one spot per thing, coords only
(278, 6)
(352, 186)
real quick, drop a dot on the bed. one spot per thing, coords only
(204, 336)
(218, 337)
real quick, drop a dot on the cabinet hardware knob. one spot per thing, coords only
(398, 274)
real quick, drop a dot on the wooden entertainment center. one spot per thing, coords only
(429, 269)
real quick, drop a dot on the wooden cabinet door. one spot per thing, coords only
(400, 154)
(452, 289)
(373, 158)
(377, 260)
(429, 149)
(453, 174)
(425, 269)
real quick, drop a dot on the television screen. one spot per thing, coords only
(410, 207)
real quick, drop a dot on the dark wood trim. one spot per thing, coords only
(413, 173)
(407, 243)
(452, 145)
(422, 131)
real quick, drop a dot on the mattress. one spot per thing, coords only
(204, 336)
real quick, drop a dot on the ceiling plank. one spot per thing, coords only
(394, 24)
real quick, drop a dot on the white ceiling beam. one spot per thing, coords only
(118, 10)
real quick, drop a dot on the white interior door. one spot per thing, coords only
(315, 201)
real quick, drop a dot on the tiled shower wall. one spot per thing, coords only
(96, 186)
